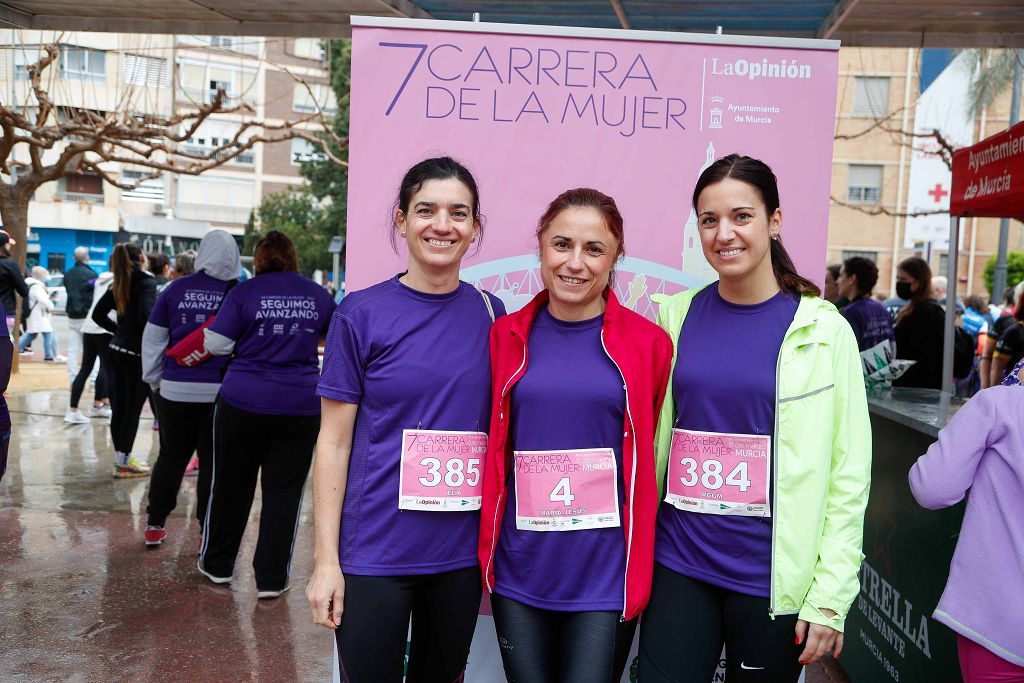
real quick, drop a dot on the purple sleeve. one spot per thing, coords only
(344, 363)
(229, 321)
(941, 476)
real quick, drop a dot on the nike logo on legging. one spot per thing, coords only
(750, 668)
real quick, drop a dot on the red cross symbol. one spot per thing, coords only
(937, 193)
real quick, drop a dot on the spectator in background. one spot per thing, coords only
(40, 314)
(996, 330)
(11, 280)
(78, 283)
(184, 264)
(977, 320)
(870, 321)
(160, 267)
(919, 326)
(831, 291)
(940, 284)
(1009, 349)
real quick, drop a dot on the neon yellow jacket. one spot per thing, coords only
(821, 461)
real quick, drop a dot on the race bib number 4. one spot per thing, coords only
(719, 474)
(441, 470)
(566, 490)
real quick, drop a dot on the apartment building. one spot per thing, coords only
(276, 79)
(877, 93)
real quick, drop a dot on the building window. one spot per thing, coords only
(150, 71)
(81, 187)
(306, 100)
(83, 64)
(24, 57)
(870, 97)
(309, 48)
(200, 82)
(215, 133)
(864, 184)
(304, 150)
(869, 255)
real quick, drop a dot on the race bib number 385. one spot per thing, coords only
(441, 470)
(719, 474)
(566, 490)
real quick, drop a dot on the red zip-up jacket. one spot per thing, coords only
(642, 352)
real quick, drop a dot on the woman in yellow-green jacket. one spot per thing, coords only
(763, 454)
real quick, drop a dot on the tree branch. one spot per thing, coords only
(879, 210)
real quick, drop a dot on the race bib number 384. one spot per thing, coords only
(719, 474)
(441, 470)
(566, 490)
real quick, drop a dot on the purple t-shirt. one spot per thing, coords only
(724, 381)
(571, 397)
(184, 305)
(411, 360)
(870, 321)
(276, 319)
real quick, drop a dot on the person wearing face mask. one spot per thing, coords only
(399, 458)
(919, 326)
(764, 448)
(570, 496)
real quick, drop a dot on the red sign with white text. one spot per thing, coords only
(988, 178)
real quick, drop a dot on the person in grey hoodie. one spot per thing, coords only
(185, 395)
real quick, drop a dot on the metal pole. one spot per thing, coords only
(999, 275)
(947, 337)
(337, 271)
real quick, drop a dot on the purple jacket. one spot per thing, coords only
(981, 450)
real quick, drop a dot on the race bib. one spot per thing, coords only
(566, 490)
(719, 474)
(441, 470)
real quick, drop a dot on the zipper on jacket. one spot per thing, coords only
(775, 471)
(632, 483)
(501, 494)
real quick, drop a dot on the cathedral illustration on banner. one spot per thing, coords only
(694, 263)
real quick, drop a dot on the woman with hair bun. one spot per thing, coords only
(266, 416)
(132, 294)
(396, 485)
(764, 449)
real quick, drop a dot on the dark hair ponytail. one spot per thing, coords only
(126, 258)
(759, 175)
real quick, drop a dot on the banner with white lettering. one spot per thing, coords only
(534, 111)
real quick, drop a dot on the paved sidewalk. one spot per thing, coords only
(84, 600)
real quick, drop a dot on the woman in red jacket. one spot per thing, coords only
(570, 498)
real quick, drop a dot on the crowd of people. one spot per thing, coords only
(598, 475)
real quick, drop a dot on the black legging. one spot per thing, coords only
(375, 626)
(127, 395)
(546, 646)
(93, 346)
(688, 621)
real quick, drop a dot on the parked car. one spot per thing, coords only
(58, 295)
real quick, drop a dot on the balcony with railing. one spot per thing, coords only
(246, 158)
(84, 197)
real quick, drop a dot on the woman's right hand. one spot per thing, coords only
(326, 595)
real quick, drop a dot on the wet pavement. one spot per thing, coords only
(83, 599)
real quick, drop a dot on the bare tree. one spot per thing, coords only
(65, 141)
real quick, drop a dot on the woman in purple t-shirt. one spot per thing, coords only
(266, 416)
(764, 449)
(396, 484)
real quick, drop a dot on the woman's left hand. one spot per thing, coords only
(820, 639)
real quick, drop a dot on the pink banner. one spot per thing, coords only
(534, 115)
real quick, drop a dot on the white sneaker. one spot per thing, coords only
(75, 417)
(211, 577)
(102, 411)
(269, 595)
(60, 359)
